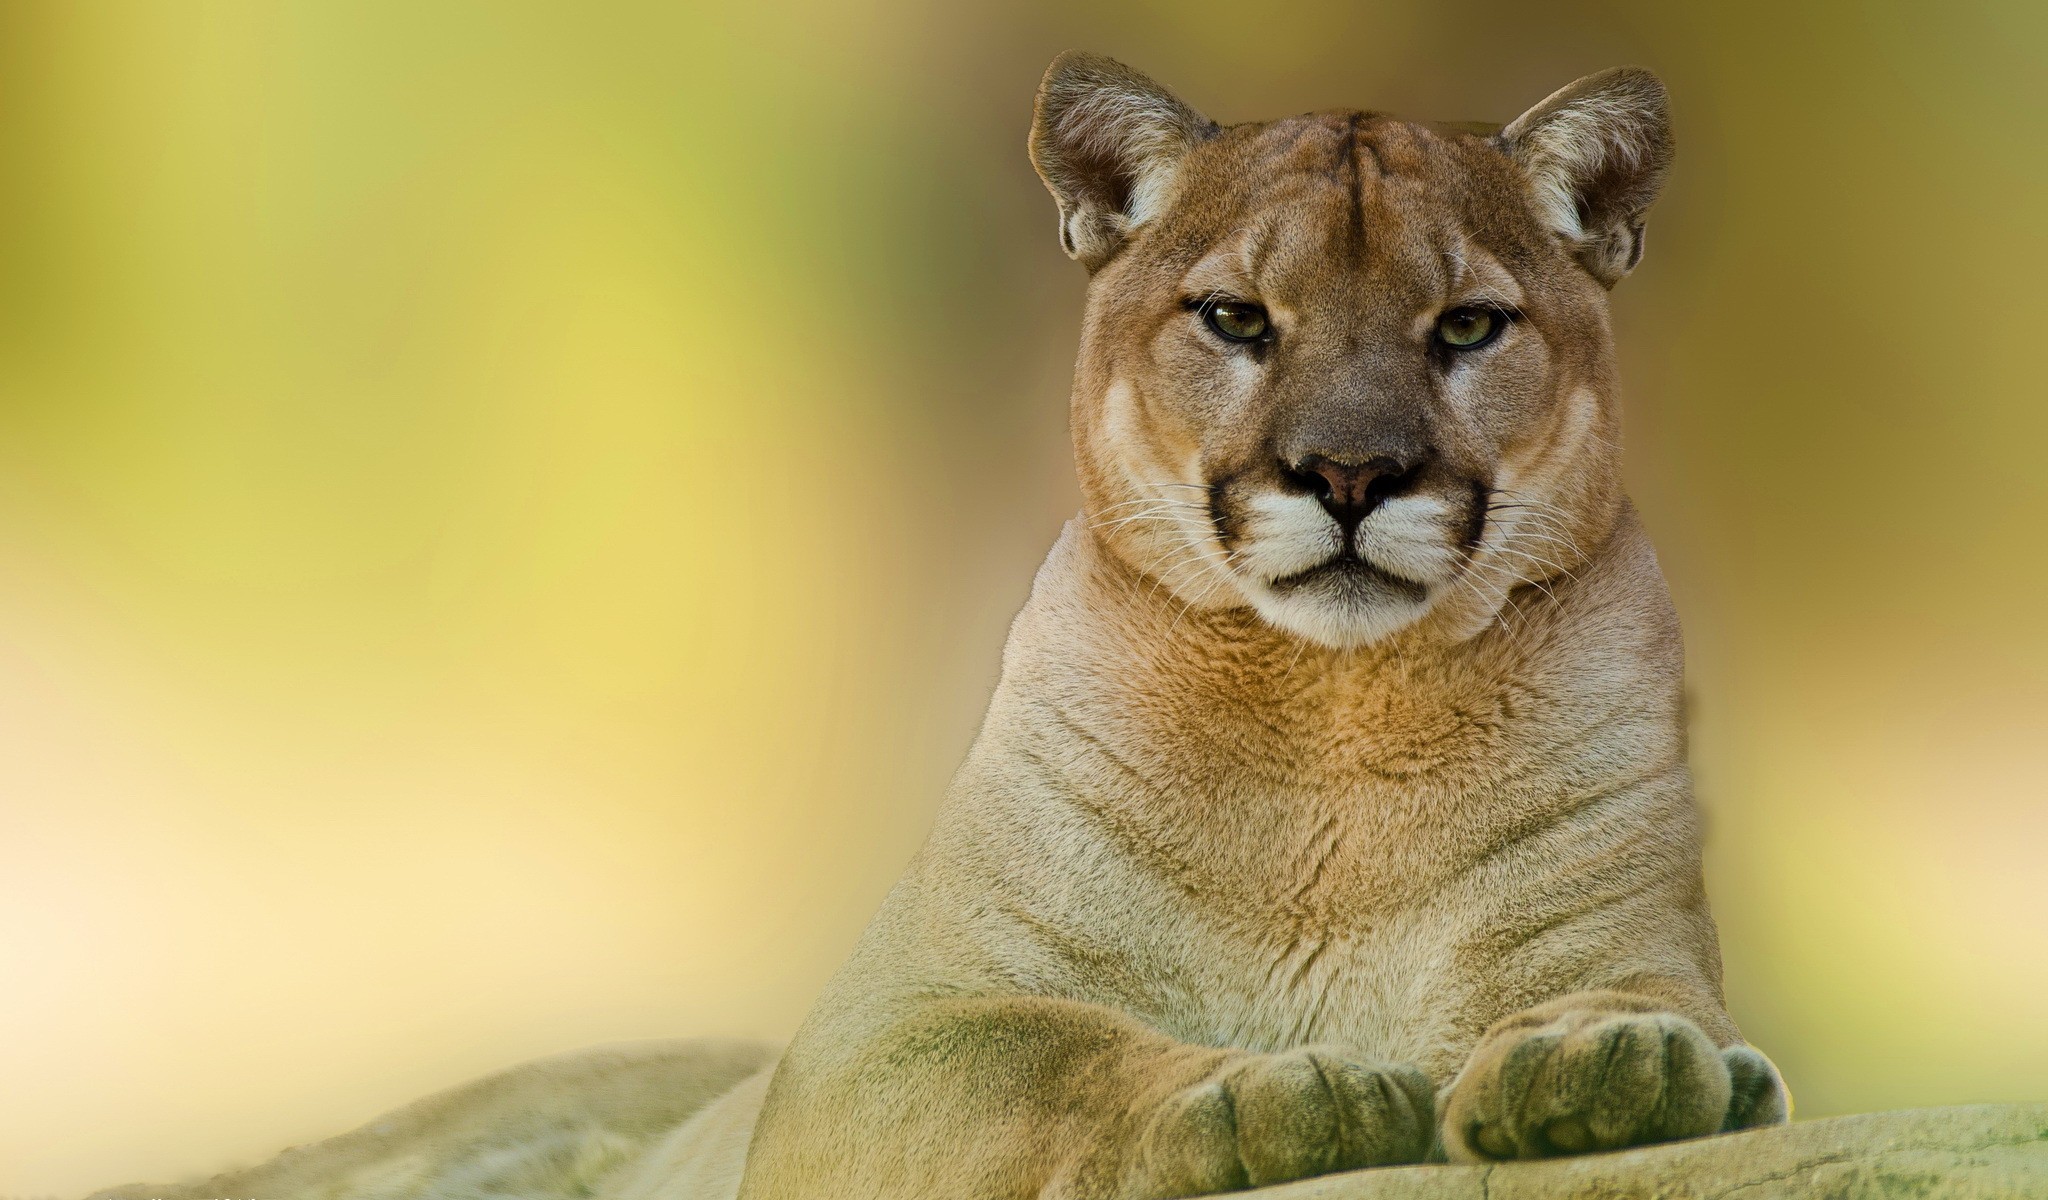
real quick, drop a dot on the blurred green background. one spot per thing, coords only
(508, 512)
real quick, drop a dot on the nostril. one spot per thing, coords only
(1389, 482)
(1301, 478)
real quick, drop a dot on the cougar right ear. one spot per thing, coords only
(1107, 141)
(1596, 152)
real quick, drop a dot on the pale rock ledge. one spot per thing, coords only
(1980, 1152)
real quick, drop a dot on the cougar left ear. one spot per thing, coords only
(1106, 141)
(1597, 152)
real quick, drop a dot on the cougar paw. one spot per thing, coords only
(1598, 1081)
(1276, 1117)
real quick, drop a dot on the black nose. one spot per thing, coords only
(1349, 490)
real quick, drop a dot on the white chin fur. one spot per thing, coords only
(1340, 625)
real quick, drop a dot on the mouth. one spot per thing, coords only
(1343, 601)
(1349, 577)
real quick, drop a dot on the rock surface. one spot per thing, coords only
(562, 1129)
(1992, 1152)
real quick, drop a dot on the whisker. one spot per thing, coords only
(1539, 584)
(1169, 518)
(1148, 500)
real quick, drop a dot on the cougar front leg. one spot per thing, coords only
(1599, 1071)
(1033, 1097)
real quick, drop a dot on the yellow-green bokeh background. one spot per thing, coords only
(508, 512)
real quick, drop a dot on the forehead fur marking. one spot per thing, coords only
(1351, 165)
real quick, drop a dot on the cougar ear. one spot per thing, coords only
(1597, 151)
(1107, 141)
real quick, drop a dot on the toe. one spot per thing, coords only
(1696, 1083)
(1286, 1120)
(1385, 1113)
(1190, 1147)
(1756, 1091)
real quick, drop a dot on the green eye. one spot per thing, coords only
(1467, 328)
(1236, 320)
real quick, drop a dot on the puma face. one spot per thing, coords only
(1341, 368)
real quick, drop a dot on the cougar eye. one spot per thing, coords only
(1236, 320)
(1468, 328)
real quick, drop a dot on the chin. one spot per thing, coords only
(1341, 605)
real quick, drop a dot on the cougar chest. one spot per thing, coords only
(1362, 984)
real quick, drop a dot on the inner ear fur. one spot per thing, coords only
(1597, 152)
(1107, 141)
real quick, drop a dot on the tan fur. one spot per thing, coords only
(1282, 849)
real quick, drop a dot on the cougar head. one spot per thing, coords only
(1346, 369)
